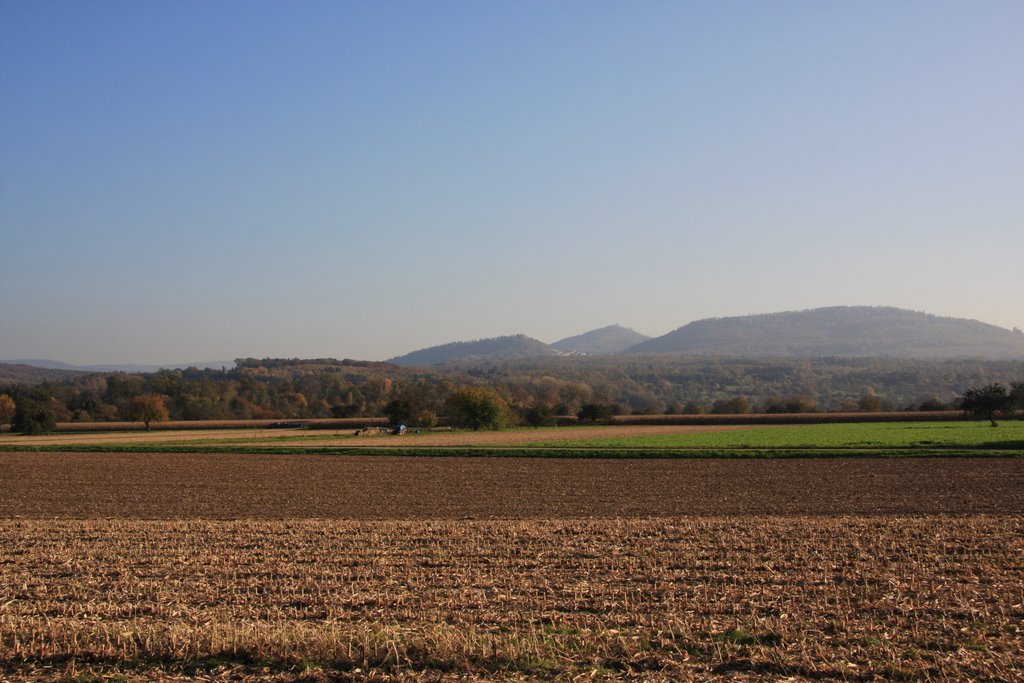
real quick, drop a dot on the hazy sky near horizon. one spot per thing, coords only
(192, 181)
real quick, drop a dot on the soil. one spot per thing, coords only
(231, 486)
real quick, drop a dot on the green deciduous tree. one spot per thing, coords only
(594, 412)
(400, 411)
(1017, 396)
(413, 404)
(475, 408)
(987, 402)
(35, 416)
(733, 406)
(695, 408)
(540, 415)
(932, 404)
(791, 404)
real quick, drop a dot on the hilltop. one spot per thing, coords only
(513, 346)
(844, 331)
(607, 340)
(834, 332)
(837, 331)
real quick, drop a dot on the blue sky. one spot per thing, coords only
(190, 181)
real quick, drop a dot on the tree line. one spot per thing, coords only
(524, 391)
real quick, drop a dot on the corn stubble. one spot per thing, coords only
(804, 598)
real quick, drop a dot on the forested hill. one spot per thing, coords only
(611, 339)
(841, 331)
(116, 367)
(21, 373)
(514, 346)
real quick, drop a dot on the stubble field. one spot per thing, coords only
(794, 598)
(264, 567)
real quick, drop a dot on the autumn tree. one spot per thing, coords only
(148, 408)
(7, 408)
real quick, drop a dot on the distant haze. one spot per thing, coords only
(337, 179)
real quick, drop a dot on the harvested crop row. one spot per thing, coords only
(901, 598)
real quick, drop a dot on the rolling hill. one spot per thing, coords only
(22, 373)
(117, 367)
(840, 331)
(513, 346)
(607, 340)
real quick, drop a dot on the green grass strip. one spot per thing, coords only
(1009, 435)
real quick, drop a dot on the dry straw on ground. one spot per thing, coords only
(897, 598)
(117, 567)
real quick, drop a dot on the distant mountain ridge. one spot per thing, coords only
(848, 331)
(114, 367)
(512, 346)
(837, 331)
(21, 373)
(607, 340)
(604, 341)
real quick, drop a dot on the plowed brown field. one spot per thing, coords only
(217, 486)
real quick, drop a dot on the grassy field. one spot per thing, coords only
(880, 435)
(883, 439)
